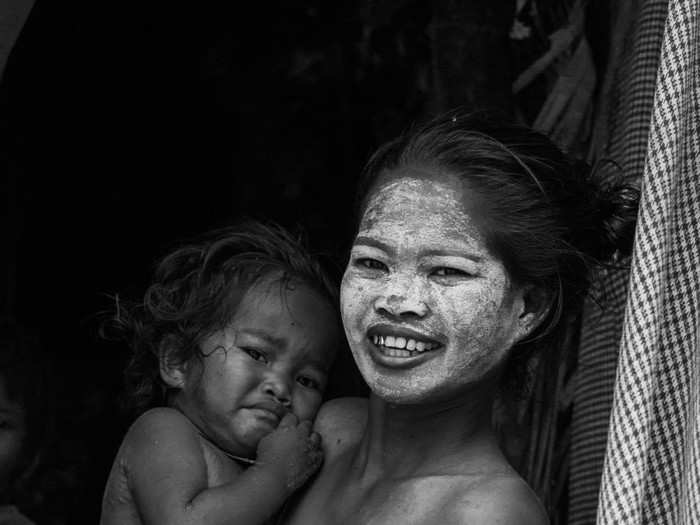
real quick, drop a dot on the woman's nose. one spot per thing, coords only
(402, 298)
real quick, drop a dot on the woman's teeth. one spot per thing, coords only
(402, 346)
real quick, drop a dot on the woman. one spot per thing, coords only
(474, 244)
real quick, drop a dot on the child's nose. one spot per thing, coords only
(278, 388)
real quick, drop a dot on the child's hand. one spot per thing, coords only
(293, 448)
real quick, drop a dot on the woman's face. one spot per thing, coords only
(427, 309)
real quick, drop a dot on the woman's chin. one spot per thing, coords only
(436, 394)
(419, 386)
(398, 389)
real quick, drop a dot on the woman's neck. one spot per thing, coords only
(408, 440)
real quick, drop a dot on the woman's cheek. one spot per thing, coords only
(468, 315)
(352, 301)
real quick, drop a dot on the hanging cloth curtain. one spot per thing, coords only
(620, 133)
(652, 464)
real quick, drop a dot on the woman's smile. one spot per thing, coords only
(399, 346)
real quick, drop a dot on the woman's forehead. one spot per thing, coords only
(417, 200)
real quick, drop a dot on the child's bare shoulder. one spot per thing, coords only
(161, 420)
(500, 499)
(161, 431)
(341, 422)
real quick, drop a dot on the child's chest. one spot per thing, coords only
(220, 468)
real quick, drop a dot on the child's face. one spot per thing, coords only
(272, 358)
(12, 434)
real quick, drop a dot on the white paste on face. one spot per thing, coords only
(420, 262)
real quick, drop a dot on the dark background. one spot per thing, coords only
(127, 126)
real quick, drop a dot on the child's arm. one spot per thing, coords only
(168, 474)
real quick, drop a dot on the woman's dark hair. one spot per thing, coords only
(196, 290)
(550, 220)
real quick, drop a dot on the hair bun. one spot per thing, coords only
(610, 211)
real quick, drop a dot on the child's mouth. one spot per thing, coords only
(267, 416)
(269, 411)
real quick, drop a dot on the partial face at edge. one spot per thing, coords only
(12, 436)
(427, 310)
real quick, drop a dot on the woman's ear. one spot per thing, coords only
(535, 305)
(172, 371)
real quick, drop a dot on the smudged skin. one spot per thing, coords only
(270, 351)
(257, 387)
(421, 449)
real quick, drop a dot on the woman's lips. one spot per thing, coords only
(399, 341)
(394, 345)
(401, 345)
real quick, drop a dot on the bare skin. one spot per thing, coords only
(430, 315)
(166, 471)
(386, 464)
(252, 395)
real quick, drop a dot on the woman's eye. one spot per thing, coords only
(450, 272)
(370, 264)
(309, 382)
(258, 356)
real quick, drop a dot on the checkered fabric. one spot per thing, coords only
(620, 133)
(652, 465)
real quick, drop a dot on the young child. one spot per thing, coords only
(232, 344)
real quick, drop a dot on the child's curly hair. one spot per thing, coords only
(196, 290)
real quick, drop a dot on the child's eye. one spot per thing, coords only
(258, 356)
(309, 382)
(444, 271)
(370, 264)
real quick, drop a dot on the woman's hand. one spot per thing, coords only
(294, 449)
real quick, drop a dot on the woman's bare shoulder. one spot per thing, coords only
(505, 500)
(341, 422)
